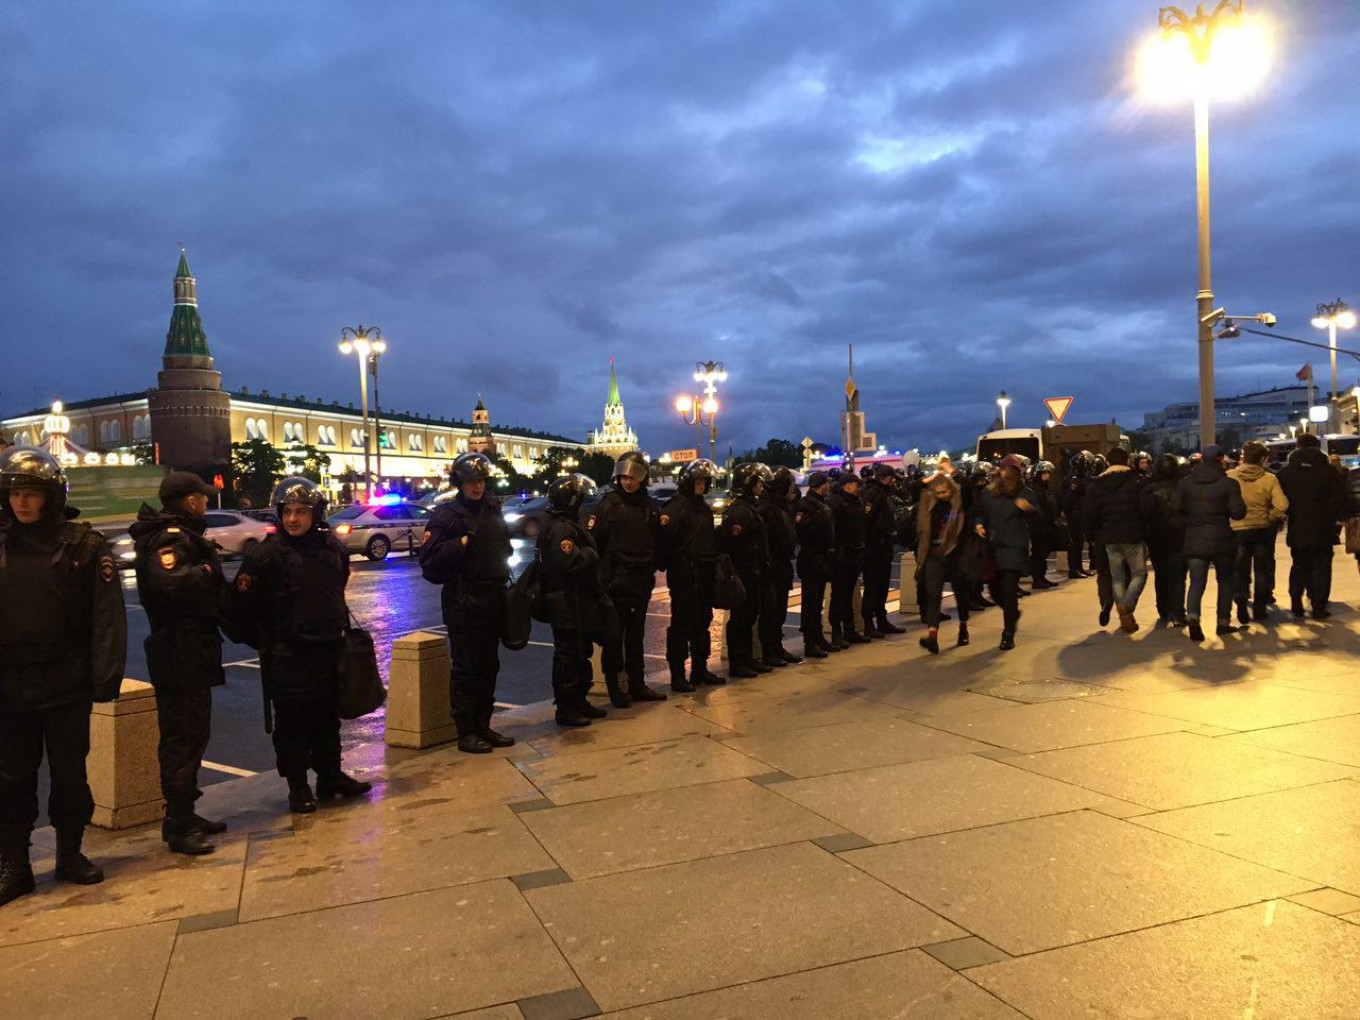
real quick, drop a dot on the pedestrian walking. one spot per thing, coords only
(742, 537)
(1166, 540)
(63, 644)
(688, 549)
(1004, 512)
(466, 549)
(880, 530)
(776, 510)
(848, 512)
(578, 609)
(1115, 512)
(624, 527)
(816, 527)
(1207, 499)
(940, 522)
(181, 586)
(288, 602)
(1255, 533)
(1317, 494)
(1044, 525)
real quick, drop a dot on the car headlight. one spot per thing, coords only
(512, 517)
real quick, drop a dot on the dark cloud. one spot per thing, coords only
(970, 193)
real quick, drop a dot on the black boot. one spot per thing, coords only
(701, 675)
(853, 637)
(931, 642)
(337, 784)
(639, 691)
(812, 650)
(872, 632)
(1007, 641)
(209, 826)
(742, 671)
(472, 743)
(775, 661)
(963, 635)
(1196, 632)
(679, 685)
(588, 710)
(495, 739)
(792, 658)
(1243, 616)
(568, 715)
(618, 697)
(300, 798)
(837, 642)
(757, 665)
(182, 836)
(889, 628)
(16, 876)
(72, 865)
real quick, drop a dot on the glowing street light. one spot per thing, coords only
(367, 342)
(1223, 54)
(1003, 402)
(1331, 316)
(702, 409)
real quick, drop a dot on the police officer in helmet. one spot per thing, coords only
(776, 510)
(467, 550)
(624, 527)
(848, 513)
(689, 551)
(742, 536)
(880, 532)
(63, 641)
(182, 589)
(578, 609)
(289, 602)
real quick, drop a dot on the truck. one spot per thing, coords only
(1056, 443)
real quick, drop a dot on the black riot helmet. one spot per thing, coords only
(1099, 464)
(566, 494)
(633, 465)
(302, 491)
(697, 470)
(783, 485)
(866, 472)
(1043, 466)
(746, 476)
(983, 472)
(27, 467)
(469, 467)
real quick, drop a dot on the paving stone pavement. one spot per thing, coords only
(1094, 825)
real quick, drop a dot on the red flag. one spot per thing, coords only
(1305, 374)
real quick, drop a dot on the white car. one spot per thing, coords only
(234, 533)
(375, 529)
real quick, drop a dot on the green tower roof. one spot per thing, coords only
(182, 273)
(614, 400)
(186, 338)
(480, 406)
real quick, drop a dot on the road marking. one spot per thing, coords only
(230, 770)
(248, 663)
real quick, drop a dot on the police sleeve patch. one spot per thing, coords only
(665, 519)
(243, 582)
(590, 522)
(736, 529)
(106, 569)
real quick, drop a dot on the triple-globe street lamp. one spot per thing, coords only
(702, 409)
(367, 342)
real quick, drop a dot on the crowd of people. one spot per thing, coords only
(977, 532)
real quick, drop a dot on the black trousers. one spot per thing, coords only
(1076, 542)
(1311, 572)
(185, 717)
(844, 577)
(571, 673)
(621, 653)
(741, 621)
(474, 650)
(64, 734)
(814, 599)
(1255, 556)
(1100, 563)
(935, 571)
(1224, 564)
(877, 580)
(306, 736)
(1168, 581)
(1038, 557)
(1008, 594)
(774, 610)
(687, 637)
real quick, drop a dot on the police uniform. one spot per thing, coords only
(816, 555)
(689, 551)
(183, 590)
(742, 536)
(848, 511)
(624, 527)
(880, 527)
(781, 536)
(63, 643)
(474, 574)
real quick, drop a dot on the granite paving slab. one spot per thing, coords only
(641, 724)
(1055, 724)
(1248, 706)
(1334, 740)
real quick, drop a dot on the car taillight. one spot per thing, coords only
(269, 529)
(343, 529)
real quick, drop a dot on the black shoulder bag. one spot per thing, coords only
(360, 689)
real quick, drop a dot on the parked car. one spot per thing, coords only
(375, 529)
(234, 532)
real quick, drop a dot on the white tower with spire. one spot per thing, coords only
(615, 437)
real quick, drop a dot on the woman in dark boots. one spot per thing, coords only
(939, 556)
(1004, 513)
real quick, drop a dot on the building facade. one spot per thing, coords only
(614, 437)
(1262, 415)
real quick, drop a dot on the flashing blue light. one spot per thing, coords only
(387, 499)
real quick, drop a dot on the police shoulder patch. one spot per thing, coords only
(736, 529)
(243, 582)
(425, 539)
(798, 518)
(107, 572)
(590, 522)
(168, 558)
(665, 519)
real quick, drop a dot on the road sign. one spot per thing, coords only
(1058, 407)
(683, 456)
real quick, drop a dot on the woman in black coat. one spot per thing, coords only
(1005, 510)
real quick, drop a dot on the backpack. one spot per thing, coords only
(529, 587)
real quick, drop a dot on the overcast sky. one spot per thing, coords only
(970, 192)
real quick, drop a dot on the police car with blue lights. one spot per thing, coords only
(381, 525)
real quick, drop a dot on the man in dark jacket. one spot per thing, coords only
(688, 548)
(1316, 494)
(1044, 525)
(182, 589)
(848, 512)
(289, 602)
(1206, 500)
(816, 554)
(467, 549)
(1071, 502)
(624, 526)
(63, 641)
(578, 608)
(880, 529)
(742, 536)
(1166, 540)
(776, 510)
(1115, 518)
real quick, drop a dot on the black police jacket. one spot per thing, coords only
(879, 519)
(1317, 495)
(624, 526)
(686, 538)
(816, 528)
(782, 537)
(63, 625)
(182, 589)
(848, 511)
(474, 573)
(571, 576)
(742, 536)
(289, 602)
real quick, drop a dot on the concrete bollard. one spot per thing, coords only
(906, 596)
(124, 772)
(717, 634)
(418, 712)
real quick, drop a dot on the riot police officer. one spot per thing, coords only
(742, 536)
(688, 550)
(1044, 525)
(467, 550)
(880, 533)
(624, 527)
(816, 557)
(776, 510)
(848, 512)
(182, 589)
(289, 602)
(578, 609)
(1072, 504)
(63, 641)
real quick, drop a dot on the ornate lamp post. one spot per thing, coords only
(702, 409)
(1331, 316)
(1205, 54)
(366, 341)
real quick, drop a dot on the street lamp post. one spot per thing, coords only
(702, 409)
(365, 341)
(1003, 402)
(1333, 315)
(379, 348)
(1205, 51)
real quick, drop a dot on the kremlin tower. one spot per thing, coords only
(615, 437)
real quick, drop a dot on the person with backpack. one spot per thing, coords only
(1317, 493)
(1255, 533)
(1166, 540)
(816, 555)
(1207, 499)
(776, 510)
(742, 536)
(624, 527)
(688, 549)
(466, 549)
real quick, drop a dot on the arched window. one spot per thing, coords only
(417, 443)
(288, 432)
(262, 428)
(517, 453)
(103, 433)
(82, 435)
(250, 429)
(441, 444)
(354, 439)
(462, 445)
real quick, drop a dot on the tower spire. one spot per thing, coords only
(614, 399)
(186, 338)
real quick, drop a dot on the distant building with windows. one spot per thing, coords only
(1262, 415)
